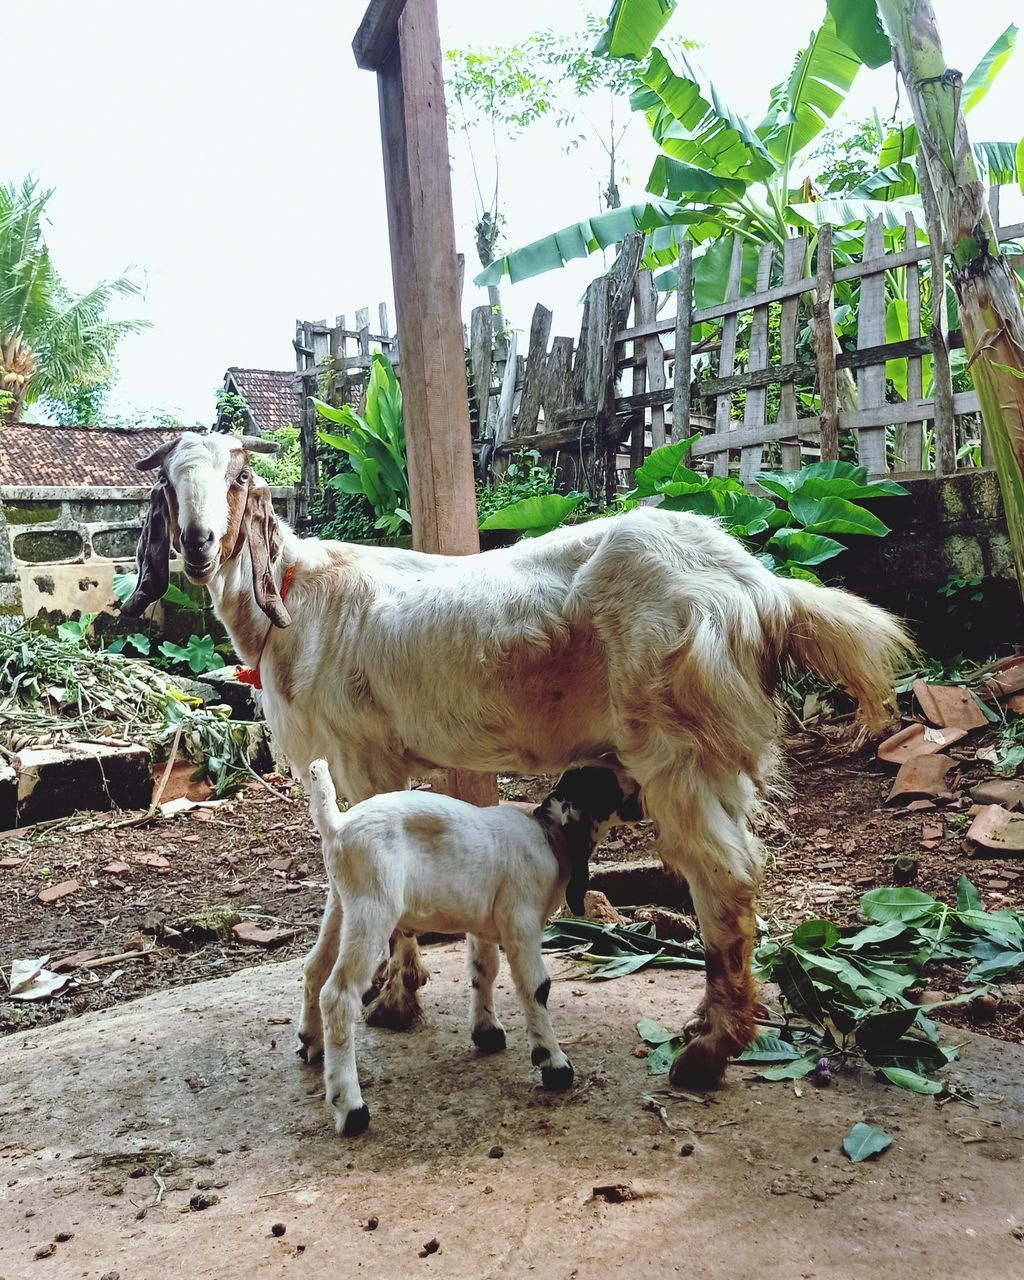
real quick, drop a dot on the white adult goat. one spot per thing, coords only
(653, 637)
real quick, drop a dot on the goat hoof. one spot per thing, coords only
(356, 1122)
(489, 1039)
(308, 1046)
(699, 1066)
(557, 1077)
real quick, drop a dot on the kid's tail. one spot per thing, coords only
(323, 799)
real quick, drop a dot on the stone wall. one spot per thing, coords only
(60, 547)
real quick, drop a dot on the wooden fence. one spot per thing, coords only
(572, 398)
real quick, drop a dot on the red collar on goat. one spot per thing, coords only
(251, 675)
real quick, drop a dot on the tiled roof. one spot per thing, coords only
(271, 394)
(43, 455)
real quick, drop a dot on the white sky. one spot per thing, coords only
(228, 151)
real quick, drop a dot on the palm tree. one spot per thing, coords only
(53, 342)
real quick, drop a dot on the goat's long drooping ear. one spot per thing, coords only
(260, 532)
(156, 459)
(152, 555)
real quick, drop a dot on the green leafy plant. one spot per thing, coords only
(375, 445)
(612, 951)
(284, 467)
(138, 641)
(76, 629)
(125, 583)
(524, 478)
(199, 654)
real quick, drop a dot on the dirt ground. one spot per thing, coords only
(829, 841)
(116, 1127)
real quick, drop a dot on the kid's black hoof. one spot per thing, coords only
(356, 1122)
(556, 1077)
(489, 1039)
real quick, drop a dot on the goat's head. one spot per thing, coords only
(585, 802)
(208, 504)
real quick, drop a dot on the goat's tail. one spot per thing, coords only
(847, 641)
(323, 799)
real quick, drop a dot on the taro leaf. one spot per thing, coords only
(666, 463)
(653, 1032)
(882, 1030)
(967, 896)
(911, 1052)
(768, 1049)
(790, 1070)
(864, 1141)
(815, 935)
(623, 965)
(898, 904)
(835, 515)
(660, 1060)
(800, 547)
(912, 1080)
(539, 514)
(873, 934)
(174, 595)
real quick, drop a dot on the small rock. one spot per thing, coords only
(372, 1223)
(687, 1149)
(57, 891)
(111, 1275)
(596, 907)
(671, 925)
(281, 864)
(904, 870)
(203, 1201)
(617, 1193)
(211, 924)
(117, 868)
(62, 1237)
(496, 1153)
(45, 1250)
(432, 1246)
(932, 997)
(251, 932)
(278, 1229)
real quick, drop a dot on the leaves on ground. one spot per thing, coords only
(864, 1141)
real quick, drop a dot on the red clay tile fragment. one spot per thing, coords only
(155, 860)
(997, 828)
(1005, 679)
(919, 806)
(932, 831)
(1008, 792)
(924, 776)
(117, 868)
(250, 931)
(917, 740)
(57, 891)
(11, 864)
(72, 961)
(281, 864)
(950, 706)
(1016, 703)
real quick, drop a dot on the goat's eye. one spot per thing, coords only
(242, 478)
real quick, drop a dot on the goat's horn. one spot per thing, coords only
(255, 444)
(156, 458)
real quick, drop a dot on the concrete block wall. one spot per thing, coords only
(60, 547)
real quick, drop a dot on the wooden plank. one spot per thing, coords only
(382, 321)
(871, 333)
(647, 305)
(339, 341)
(377, 34)
(638, 419)
(363, 331)
(762, 298)
(910, 438)
(536, 361)
(944, 416)
(849, 420)
(825, 349)
(507, 398)
(481, 340)
(598, 297)
(727, 354)
(753, 409)
(793, 254)
(682, 369)
(557, 379)
(576, 392)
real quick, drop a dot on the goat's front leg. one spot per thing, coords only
(483, 963)
(533, 984)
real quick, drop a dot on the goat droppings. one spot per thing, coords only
(278, 1229)
(372, 1223)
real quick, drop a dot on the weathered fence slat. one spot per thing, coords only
(647, 305)
(638, 420)
(481, 339)
(871, 332)
(753, 409)
(506, 402)
(825, 349)
(727, 355)
(910, 438)
(682, 368)
(533, 384)
(793, 252)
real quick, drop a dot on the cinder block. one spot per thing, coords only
(630, 884)
(241, 698)
(56, 781)
(8, 797)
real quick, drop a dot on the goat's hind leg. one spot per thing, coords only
(704, 835)
(318, 965)
(533, 984)
(398, 1005)
(483, 963)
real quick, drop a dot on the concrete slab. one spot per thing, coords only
(200, 1085)
(56, 781)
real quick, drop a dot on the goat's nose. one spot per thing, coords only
(197, 541)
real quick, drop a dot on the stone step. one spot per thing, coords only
(54, 782)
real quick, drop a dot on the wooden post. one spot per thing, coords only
(753, 413)
(400, 41)
(727, 356)
(647, 310)
(911, 435)
(871, 333)
(793, 253)
(536, 372)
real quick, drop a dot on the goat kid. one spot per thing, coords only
(651, 636)
(415, 861)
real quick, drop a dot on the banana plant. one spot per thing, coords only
(375, 444)
(719, 177)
